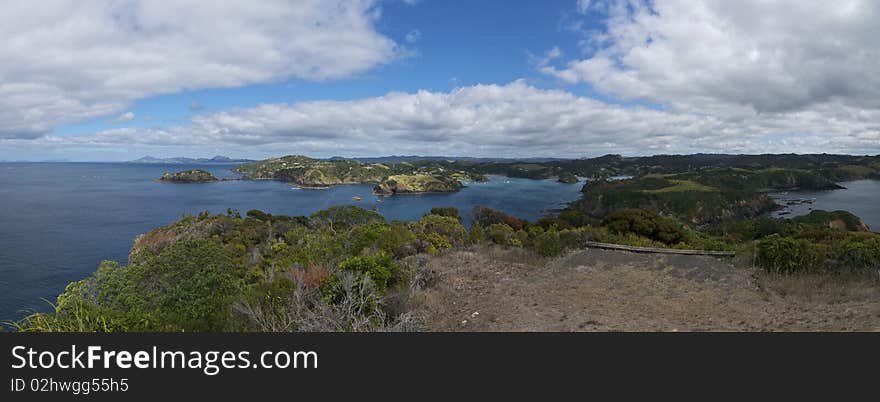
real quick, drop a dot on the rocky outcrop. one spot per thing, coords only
(189, 176)
(415, 184)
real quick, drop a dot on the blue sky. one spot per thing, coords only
(459, 43)
(567, 78)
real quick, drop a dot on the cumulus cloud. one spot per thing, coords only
(583, 6)
(516, 119)
(734, 58)
(716, 76)
(125, 117)
(64, 61)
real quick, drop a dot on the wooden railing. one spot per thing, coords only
(609, 246)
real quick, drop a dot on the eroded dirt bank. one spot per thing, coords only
(598, 290)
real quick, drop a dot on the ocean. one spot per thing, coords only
(861, 197)
(58, 221)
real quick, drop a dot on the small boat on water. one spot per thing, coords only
(356, 198)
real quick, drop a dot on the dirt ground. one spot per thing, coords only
(600, 290)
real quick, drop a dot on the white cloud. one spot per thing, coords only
(583, 6)
(125, 117)
(735, 58)
(543, 61)
(485, 120)
(744, 76)
(63, 61)
(413, 36)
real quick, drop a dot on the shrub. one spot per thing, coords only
(365, 236)
(188, 286)
(549, 243)
(447, 227)
(644, 223)
(399, 240)
(379, 268)
(477, 234)
(259, 215)
(857, 253)
(488, 216)
(344, 217)
(451, 212)
(500, 233)
(785, 255)
(436, 242)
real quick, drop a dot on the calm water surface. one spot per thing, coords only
(58, 221)
(861, 197)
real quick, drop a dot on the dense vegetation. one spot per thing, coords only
(189, 176)
(390, 178)
(347, 269)
(419, 183)
(832, 167)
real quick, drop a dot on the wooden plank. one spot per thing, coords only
(609, 246)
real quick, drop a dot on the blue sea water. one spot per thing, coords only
(861, 197)
(58, 221)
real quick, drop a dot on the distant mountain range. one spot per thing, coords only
(182, 160)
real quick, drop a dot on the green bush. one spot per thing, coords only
(189, 286)
(447, 227)
(477, 234)
(451, 212)
(786, 255)
(502, 234)
(549, 243)
(644, 223)
(344, 217)
(380, 268)
(399, 240)
(567, 219)
(857, 253)
(259, 215)
(365, 236)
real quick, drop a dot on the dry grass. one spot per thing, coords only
(823, 289)
(497, 289)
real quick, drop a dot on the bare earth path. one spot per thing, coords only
(600, 290)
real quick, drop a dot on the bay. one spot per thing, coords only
(58, 221)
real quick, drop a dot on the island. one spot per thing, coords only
(388, 178)
(189, 176)
(416, 184)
